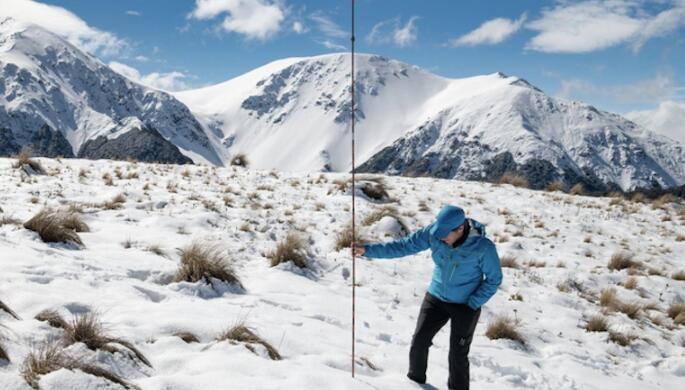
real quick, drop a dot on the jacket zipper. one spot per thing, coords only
(444, 282)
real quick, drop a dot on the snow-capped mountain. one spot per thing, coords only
(61, 101)
(293, 114)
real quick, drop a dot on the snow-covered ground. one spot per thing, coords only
(306, 315)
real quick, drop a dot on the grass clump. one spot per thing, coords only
(26, 163)
(7, 220)
(89, 330)
(48, 358)
(3, 354)
(204, 262)
(241, 333)
(680, 275)
(597, 323)
(187, 337)
(374, 189)
(608, 298)
(621, 339)
(503, 327)
(514, 179)
(293, 248)
(9, 311)
(509, 261)
(677, 313)
(57, 226)
(344, 238)
(556, 186)
(622, 260)
(630, 283)
(53, 318)
(577, 189)
(240, 160)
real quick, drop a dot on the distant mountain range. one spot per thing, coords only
(294, 114)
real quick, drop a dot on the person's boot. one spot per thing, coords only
(416, 379)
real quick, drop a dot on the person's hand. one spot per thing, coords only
(358, 249)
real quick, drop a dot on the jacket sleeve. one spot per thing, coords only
(490, 266)
(413, 243)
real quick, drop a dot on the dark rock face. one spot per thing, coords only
(8, 145)
(405, 157)
(44, 143)
(49, 143)
(145, 145)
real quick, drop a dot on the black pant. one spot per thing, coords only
(433, 316)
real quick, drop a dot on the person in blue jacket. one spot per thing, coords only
(467, 274)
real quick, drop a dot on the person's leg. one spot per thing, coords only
(432, 318)
(463, 321)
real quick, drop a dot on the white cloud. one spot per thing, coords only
(660, 88)
(133, 13)
(661, 25)
(172, 81)
(391, 31)
(327, 26)
(580, 27)
(667, 119)
(299, 28)
(491, 32)
(66, 24)
(331, 45)
(255, 19)
(406, 35)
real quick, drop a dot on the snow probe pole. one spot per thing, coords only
(354, 236)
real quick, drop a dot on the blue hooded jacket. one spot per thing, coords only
(469, 274)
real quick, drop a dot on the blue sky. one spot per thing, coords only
(618, 55)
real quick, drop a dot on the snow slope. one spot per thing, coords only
(46, 81)
(307, 315)
(294, 115)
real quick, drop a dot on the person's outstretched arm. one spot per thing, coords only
(413, 243)
(490, 266)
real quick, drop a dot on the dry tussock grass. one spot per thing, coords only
(26, 163)
(623, 260)
(3, 354)
(9, 311)
(203, 262)
(344, 238)
(663, 201)
(241, 333)
(514, 180)
(577, 189)
(556, 186)
(240, 160)
(503, 327)
(187, 337)
(597, 323)
(509, 261)
(609, 300)
(677, 313)
(293, 248)
(89, 330)
(630, 283)
(8, 220)
(48, 358)
(53, 318)
(621, 339)
(57, 226)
